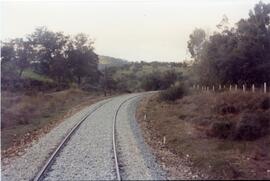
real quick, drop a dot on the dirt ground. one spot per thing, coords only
(177, 133)
(27, 117)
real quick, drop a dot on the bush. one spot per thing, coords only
(265, 104)
(221, 129)
(226, 109)
(251, 126)
(151, 82)
(173, 93)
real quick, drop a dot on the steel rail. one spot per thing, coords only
(49, 162)
(40, 174)
(114, 138)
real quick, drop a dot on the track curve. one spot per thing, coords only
(41, 173)
(47, 168)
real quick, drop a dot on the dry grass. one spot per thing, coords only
(185, 123)
(24, 115)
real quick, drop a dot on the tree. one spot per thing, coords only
(24, 54)
(240, 54)
(224, 23)
(152, 81)
(195, 43)
(168, 78)
(107, 82)
(60, 70)
(47, 45)
(8, 63)
(16, 56)
(52, 54)
(83, 62)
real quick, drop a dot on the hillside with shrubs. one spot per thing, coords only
(217, 119)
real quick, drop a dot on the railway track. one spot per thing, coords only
(42, 173)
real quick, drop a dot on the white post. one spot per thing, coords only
(235, 88)
(219, 87)
(164, 140)
(264, 87)
(230, 87)
(207, 89)
(244, 88)
(213, 88)
(253, 88)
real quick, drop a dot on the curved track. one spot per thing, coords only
(42, 173)
(114, 138)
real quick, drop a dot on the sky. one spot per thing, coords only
(136, 30)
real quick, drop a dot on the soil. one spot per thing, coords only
(18, 137)
(176, 132)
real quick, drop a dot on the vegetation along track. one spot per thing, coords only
(47, 167)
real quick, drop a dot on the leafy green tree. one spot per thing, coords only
(47, 45)
(16, 56)
(8, 62)
(152, 82)
(169, 78)
(237, 55)
(107, 82)
(83, 62)
(60, 70)
(24, 54)
(195, 43)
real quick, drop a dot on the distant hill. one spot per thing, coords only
(110, 62)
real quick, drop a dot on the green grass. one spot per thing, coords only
(30, 74)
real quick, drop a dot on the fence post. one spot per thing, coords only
(164, 140)
(244, 88)
(264, 87)
(253, 88)
(235, 88)
(207, 89)
(219, 87)
(213, 88)
(230, 87)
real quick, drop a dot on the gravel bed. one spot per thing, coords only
(88, 155)
(25, 166)
(136, 160)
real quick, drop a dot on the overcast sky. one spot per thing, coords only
(150, 30)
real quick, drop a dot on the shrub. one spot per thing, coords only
(265, 104)
(226, 109)
(221, 129)
(151, 82)
(173, 93)
(251, 126)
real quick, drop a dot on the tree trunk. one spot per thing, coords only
(20, 73)
(79, 80)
